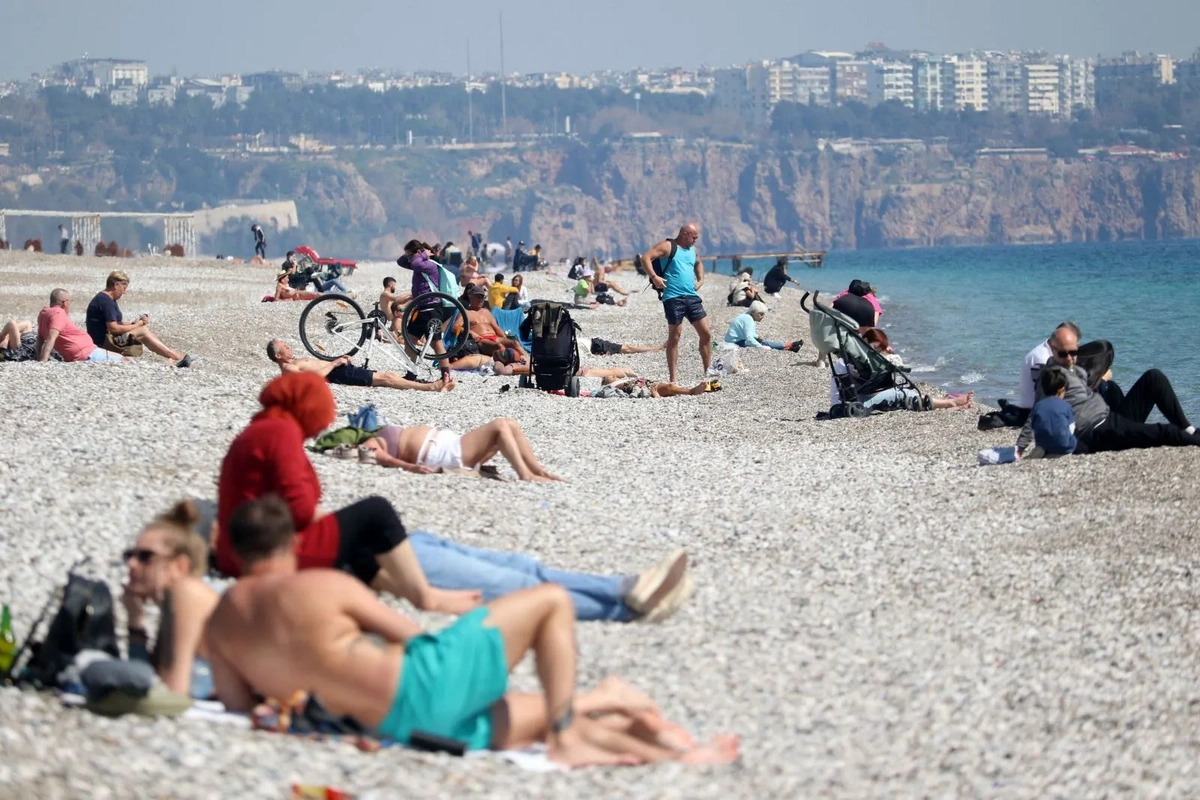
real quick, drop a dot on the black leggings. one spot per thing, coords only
(366, 530)
(1118, 432)
(1151, 390)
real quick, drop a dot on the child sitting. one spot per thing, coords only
(1052, 418)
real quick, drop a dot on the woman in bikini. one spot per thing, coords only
(283, 291)
(165, 568)
(424, 449)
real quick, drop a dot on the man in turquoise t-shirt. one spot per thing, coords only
(684, 275)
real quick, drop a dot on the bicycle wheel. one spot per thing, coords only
(332, 326)
(427, 322)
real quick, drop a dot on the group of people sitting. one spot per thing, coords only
(292, 280)
(106, 337)
(301, 616)
(595, 279)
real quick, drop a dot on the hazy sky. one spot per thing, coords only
(210, 36)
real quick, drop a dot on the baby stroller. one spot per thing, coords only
(864, 371)
(554, 350)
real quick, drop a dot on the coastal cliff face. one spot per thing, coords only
(619, 198)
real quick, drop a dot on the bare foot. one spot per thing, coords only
(502, 369)
(652, 727)
(721, 750)
(455, 602)
(571, 749)
(614, 694)
(965, 401)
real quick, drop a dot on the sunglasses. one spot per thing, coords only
(143, 555)
(1066, 353)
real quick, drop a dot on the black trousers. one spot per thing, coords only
(1151, 390)
(366, 530)
(260, 249)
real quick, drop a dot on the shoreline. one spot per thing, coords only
(874, 614)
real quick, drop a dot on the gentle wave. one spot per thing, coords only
(971, 377)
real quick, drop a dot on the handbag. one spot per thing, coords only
(84, 622)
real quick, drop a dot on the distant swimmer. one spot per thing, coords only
(683, 276)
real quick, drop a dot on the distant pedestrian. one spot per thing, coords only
(260, 241)
(476, 242)
(64, 240)
(508, 252)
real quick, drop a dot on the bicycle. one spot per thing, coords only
(334, 325)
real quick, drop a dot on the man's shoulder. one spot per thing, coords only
(1039, 355)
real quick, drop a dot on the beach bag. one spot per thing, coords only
(84, 621)
(131, 348)
(726, 363)
(367, 418)
(349, 436)
(575, 272)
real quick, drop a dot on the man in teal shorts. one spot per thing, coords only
(278, 632)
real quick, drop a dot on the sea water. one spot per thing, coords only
(964, 318)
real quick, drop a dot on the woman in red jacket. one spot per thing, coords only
(365, 538)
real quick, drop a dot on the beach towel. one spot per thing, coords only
(531, 759)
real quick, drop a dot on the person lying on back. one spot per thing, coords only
(344, 372)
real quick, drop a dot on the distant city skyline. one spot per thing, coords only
(223, 36)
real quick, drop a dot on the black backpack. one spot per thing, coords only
(84, 622)
(660, 266)
(554, 354)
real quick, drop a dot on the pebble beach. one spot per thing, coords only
(874, 614)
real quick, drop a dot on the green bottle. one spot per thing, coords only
(8, 642)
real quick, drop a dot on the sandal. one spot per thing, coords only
(713, 386)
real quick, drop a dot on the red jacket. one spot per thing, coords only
(268, 457)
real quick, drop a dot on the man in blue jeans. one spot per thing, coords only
(650, 596)
(679, 288)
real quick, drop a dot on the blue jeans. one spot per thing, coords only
(452, 566)
(890, 395)
(332, 283)
(774, 345)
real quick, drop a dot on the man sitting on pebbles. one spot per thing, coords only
(277, 632)
(343, 372)
(108, 328)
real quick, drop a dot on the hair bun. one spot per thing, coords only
(183, 514)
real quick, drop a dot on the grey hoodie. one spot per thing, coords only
(1089, 407)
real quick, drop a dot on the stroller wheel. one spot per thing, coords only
(573, 387)
(524, 382)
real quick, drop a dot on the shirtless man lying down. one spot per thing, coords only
(277, 632)
(344, 372)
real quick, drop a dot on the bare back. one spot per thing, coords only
(279, 634)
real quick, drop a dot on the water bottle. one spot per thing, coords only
(8, 642)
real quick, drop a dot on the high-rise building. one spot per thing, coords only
(744, 91)
(1007, 85)
(1078, 87)
(1043, 88)
(965, 83)
(851, 81)
(890, 81)
(927, 84)
(1130, 74)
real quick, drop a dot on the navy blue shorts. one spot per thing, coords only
(350, 375)
(679, 308)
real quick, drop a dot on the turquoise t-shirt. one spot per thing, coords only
(743, 331)
(681, 274)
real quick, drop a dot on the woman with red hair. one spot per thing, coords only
(366, 538)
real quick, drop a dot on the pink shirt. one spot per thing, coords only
(73, 343)
(870, 298)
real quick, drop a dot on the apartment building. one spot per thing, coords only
(891, 81)
(1043, 89)
(964, 83)
(1130, 73)
(928, 84)
(105, 73)
(1006, 85)
(745, 91)
(852, 81)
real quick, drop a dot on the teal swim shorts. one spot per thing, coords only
(449, 682)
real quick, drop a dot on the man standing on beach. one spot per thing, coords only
(64, 240)
(683, 275)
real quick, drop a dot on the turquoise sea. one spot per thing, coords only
(964, 318)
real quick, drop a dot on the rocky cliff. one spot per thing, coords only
(616, 198)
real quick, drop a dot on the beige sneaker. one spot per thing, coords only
(674, 601)
(657, 582)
